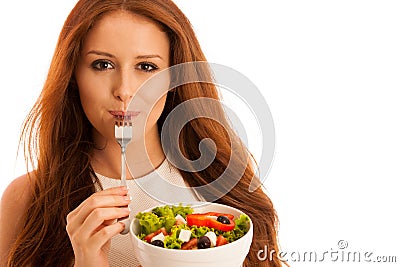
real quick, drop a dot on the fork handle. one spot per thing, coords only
(124, 220)
(123, 167)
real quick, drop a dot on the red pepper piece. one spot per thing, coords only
(208, 219)
(227, 215)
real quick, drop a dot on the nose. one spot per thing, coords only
(125, 87)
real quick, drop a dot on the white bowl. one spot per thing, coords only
(229, 255)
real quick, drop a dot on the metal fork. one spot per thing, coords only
(123, 134)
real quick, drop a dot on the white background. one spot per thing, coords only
(329, 71)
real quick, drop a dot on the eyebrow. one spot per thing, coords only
(101, 53)
(149, 56)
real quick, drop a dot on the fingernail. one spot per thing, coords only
(128, 197)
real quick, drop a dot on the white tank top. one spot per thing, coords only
(164, 185)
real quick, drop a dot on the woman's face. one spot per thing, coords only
(120, 52)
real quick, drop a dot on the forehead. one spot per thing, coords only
(123, 31)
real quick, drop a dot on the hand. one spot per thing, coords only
(94, 222)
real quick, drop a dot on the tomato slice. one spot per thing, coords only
(221, 241)
(151, 235)
(208, 219)
(191, 244)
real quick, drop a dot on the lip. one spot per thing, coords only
(126, 114)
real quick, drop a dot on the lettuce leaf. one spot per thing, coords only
(161, 217)
(182, 210)
(165, 211)
(172, 211)
(199, 231)
(149, 222)
(172, 242)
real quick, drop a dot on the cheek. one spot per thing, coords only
(85, 99)
(156, 112)
(92, 90)
(85, 91)
(88, 101)
(92, 96)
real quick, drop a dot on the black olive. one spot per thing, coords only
(223, 219)
(204, 242)
(158, 243)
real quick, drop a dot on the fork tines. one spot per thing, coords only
(120, 123)
(125, 117)
(123, 120)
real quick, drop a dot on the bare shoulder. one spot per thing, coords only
(14, 202)
(18, 193)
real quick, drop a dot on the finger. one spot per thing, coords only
(114, 191)
(109, 222)
(117, 191)
(114, 198)
(98, 217)
(105, 234)
(95, 207)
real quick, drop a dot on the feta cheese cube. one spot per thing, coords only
(184, 235)
(180, 218)
(213, 238)
(160, 236)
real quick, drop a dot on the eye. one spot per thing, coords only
(147, 66)
(102, 65)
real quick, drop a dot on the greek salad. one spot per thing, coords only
(178, 227)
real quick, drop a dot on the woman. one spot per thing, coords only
(65, 212)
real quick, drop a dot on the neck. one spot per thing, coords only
(143, 155)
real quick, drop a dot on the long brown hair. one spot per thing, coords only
(57, 139)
